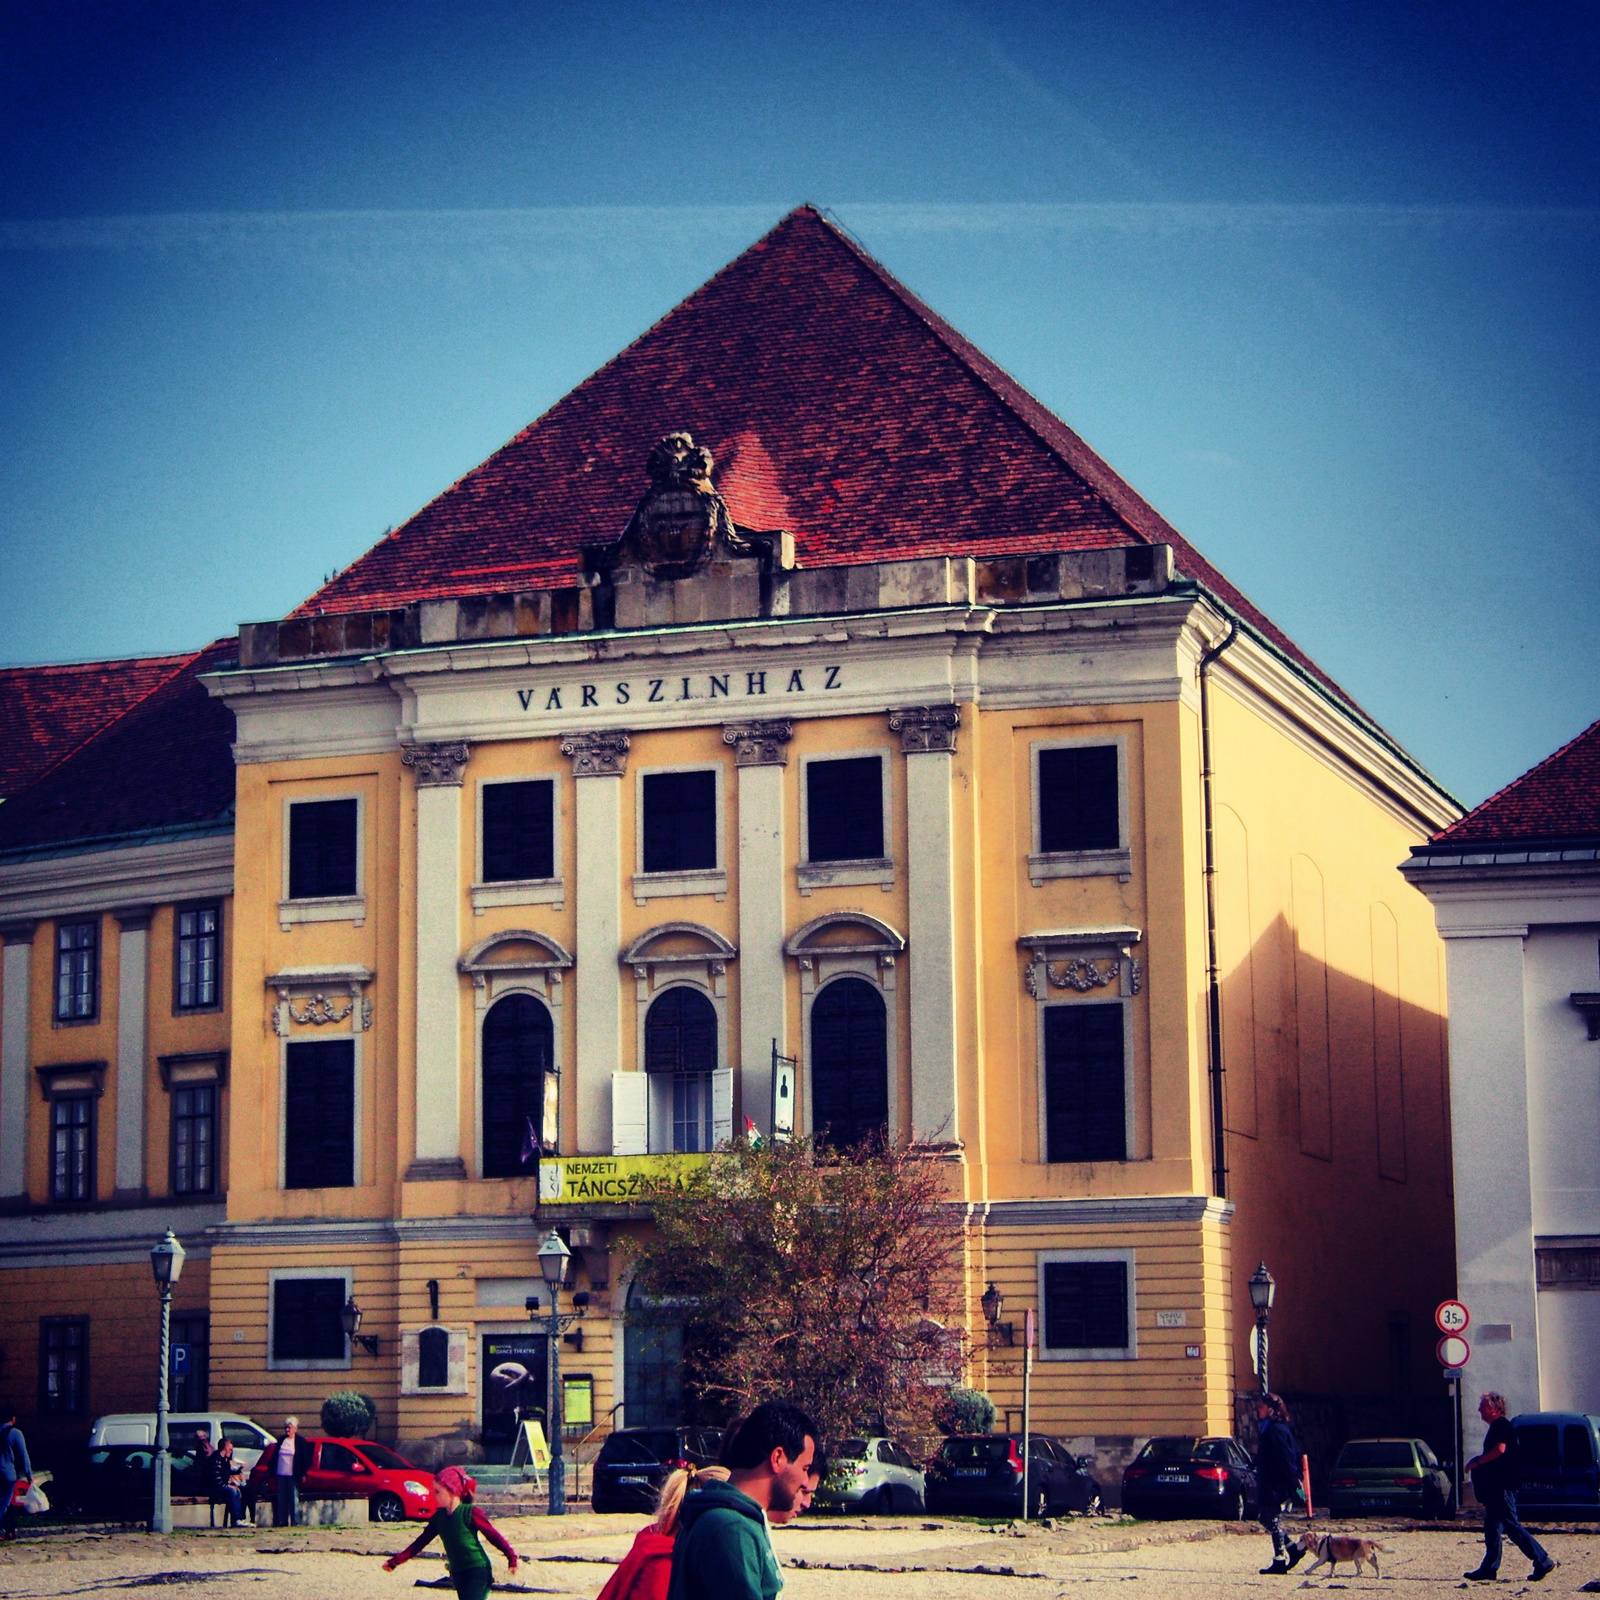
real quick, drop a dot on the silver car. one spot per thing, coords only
(873, 1475)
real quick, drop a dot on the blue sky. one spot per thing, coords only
(1319, 280)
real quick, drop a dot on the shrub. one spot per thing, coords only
(348, 1415)
(965, 1411)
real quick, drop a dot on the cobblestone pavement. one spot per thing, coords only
(823, 1559)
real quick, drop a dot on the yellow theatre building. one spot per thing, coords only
(796, 690)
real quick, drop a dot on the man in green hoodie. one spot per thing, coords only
(722, 1551)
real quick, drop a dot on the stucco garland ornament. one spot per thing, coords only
(1080, 974)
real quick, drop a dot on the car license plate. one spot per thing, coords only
(971, 1472)
(640, 1479)
(1372, 1502)
(1172, 1477)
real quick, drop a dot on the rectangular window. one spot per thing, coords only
(191, 1361)
(194, 1139)
(1079, 804)
(844, 809)
(72, 1148)
(679, 825)
(306, 1323)
(319, 1114)
(64, 1366)
(519, 831)
(322, 849)
(1085, 1083)
(1086, 1305)
(77, 971)
(198, 961)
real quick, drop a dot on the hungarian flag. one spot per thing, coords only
(752, 1134)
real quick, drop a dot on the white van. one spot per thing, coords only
(139, 1428)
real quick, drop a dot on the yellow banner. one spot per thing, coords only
(616, 1180)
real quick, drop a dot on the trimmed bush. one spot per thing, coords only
(348, 1415)
(966, 1411)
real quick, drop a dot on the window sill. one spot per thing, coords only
(662, 885)
(1080, 864)
(519, 892)
(845, 874)
(336, 908)
(310, 1366)
(1087, 1355)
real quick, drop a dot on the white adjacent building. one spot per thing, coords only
(1515, 887)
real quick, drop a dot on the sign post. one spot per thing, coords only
(1452, 1319)
(1027, 1405)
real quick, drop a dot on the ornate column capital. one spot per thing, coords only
(926, 729)
(437, 765)
(759, 744)
(596, 755)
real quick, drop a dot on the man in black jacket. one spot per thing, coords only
(1496, 1478)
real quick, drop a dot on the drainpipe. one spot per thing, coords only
(1219, 1153)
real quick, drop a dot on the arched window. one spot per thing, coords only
(849, 1063)
(652, 1369)
(680, 1053)
(519, 1083)
(433, 1358)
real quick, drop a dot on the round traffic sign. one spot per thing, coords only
(1451, 1317)
(1453, 1351)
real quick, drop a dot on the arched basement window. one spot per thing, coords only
(849, 1063)
(519, 1083)
(680, 1044)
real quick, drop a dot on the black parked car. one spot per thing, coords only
(982, 1473)
(634, 1462)
(1183, 1476)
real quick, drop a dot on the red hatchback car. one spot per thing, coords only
(351, 1469)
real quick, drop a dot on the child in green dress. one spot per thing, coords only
(457, 1523)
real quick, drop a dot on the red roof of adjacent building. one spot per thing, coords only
(164, 762)
(1558, 799)
(837, 406)
(47, 712)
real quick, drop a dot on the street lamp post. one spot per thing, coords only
(166, 1261)
(553, 1258)
(1263, 1286)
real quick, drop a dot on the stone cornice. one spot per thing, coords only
(110, 880)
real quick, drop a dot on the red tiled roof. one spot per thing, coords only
(165, 762)
(837, 406)
(1558, 799)
(47, 712)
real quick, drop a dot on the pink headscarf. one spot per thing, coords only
(457, 1482)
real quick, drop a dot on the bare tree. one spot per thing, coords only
(830, 1278)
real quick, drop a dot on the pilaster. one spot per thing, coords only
(16, 975)
(439, 769)
(760, 753)
(133, 1004)
(928, 741)
(600, 759)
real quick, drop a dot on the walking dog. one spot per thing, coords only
(1332, 1548)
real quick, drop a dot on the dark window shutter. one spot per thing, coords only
(1086, 1305)
(680, 821)
(849, 1063)
(433, 1359)
(306, 1322)
(1078, 807)
(1084, 1084)
(518, 1049)
(322, 849)
(680, 1033)
(844, 809)
(319, 1115)
(518, 831)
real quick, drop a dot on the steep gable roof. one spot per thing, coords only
(838, 406)
(47, 712)
(1558, 799)
(165, 762)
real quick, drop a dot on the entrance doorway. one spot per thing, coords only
(513, 1388)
